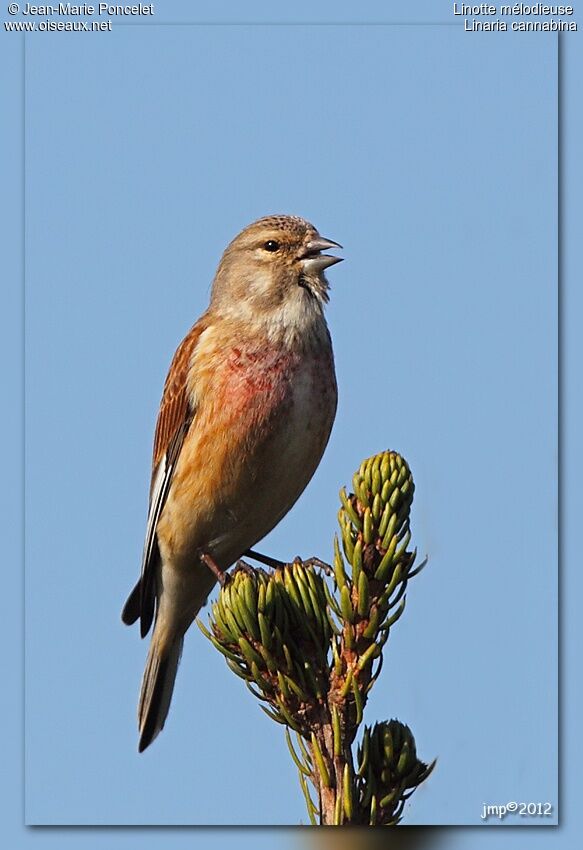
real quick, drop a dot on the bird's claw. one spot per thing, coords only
(243, 567)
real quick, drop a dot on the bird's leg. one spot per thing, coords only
(265, 559)
(222, 577)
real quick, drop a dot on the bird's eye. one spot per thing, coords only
(271, 245)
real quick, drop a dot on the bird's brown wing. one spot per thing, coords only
(174, 419)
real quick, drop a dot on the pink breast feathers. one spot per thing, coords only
(257, 381)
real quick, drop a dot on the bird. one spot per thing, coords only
(246, 413)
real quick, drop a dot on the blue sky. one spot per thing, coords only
(439, 177)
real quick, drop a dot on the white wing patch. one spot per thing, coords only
(160, 487)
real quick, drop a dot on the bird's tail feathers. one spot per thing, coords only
(131, 610)
(157, 685)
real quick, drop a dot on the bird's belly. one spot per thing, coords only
(285, 460)
(233, 487)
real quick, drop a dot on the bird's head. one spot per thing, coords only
(275, 266)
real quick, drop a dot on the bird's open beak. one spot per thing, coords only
(313, 260)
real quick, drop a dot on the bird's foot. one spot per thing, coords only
(243, 567)
(319, 564)
(279, 565)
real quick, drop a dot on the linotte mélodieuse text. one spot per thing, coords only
(518, 10)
